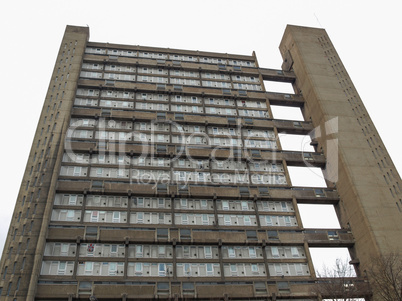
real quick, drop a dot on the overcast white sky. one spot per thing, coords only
(366, 35)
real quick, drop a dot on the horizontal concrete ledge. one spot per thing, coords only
(285, 99)
(275, 193)
(277, 75)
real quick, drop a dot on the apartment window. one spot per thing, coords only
(140, 217)
(299, 270)
(275, 252)
(138, 268)
(205, 219)
(186, 251)
(61, 270)
(254, 268)
(116, 217)
(64, 249)
(185, 234)
(227, 220)
(138, 251)
(162, 269)
(161, 217)
(183, 203)
(77, 171)
(161, 251)
(248, 120)
(184, 219)
(294, 251)
(252, 252)
(140, 202)
(251, 235)
(225, 205)
(141, 161)
(187, 269)
(204, 203)
(94, 216)
(208, 252)
(88, 269)
(112, 268)
(72, 200)
(210, 269)
(273, 234)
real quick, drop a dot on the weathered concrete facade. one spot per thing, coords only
(157, 173)
(368, 182)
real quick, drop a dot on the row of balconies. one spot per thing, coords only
(294, 253)
(234, 60)
(187, 235)
(125, 72)
(124, 99)
(290, 127)
(141, 270)
(186, 67)
(125, 161)
(115, 98)
(103, 124)
(190, 139)
(100, 202)
(186, 290)
(202, 153)
(162, 104)
(177, 219)
(158, 61)
(313, 195)
(164, 80)
(167, 175)
(144, 87)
